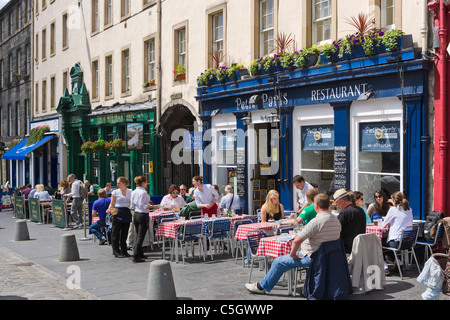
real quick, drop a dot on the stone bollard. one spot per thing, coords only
(21, 233)
(160, 281)
(69, 249)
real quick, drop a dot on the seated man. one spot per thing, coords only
(352, 218)
(99, 210)
(308, 213)
(323, 228)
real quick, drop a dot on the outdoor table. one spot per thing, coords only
(170, 230)
(274, 246)
(278, 246)
(241, 232)
(378, 230)
(45, 207)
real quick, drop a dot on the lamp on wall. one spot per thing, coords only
(274, 117)
(246, 120)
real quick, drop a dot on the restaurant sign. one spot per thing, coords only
(380, 137)
(35, 212)
(318, 138)
(19, 207)
(59, 213)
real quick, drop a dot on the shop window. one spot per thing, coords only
(379, 163)
(226, 159)
(317, 155)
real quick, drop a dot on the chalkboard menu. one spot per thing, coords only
(240, 172)
(340, 168)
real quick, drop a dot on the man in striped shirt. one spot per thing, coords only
(324, 227)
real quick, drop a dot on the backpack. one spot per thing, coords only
(83, 191)
(431, 220)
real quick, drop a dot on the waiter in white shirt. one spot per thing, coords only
(76, 210)
(205, 196)
(140, 203)
(301, 187)
(230, 201)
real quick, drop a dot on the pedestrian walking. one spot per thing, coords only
(76, 210)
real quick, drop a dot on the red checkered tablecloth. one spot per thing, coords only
(241, 233)
(270, 247)
(170, 229)
(378, 230)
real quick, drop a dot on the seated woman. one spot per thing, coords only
(64, 189)
(173, 199)
(398, 218)
(41, 193)
(272, 210)
(380, 207)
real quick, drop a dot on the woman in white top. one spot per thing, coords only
(205, 196)
(140, 203)
(173, 199)
(398, 218)
(120, 209)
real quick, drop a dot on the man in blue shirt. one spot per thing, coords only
(99, 210)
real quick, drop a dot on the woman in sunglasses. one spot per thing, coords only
(380, 207)
(173, 199)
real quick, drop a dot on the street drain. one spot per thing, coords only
(25, 264)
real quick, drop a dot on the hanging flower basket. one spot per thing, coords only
(37, 134)
(116, 146)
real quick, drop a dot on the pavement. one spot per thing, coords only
(29, 270)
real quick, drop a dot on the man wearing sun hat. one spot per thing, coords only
(352, 218)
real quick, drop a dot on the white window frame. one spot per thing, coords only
(217, 42)
(320, 19)
(262, 31)
(384, 9)
(373, 111)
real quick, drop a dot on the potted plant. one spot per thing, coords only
(328, 52)
(87, 148)
(116, 146)
(37, 134)
(180, 73)
(300, 59)
(313, 56)
(14, 143)
(237, 71)
(100, 146)
(150, 83)
(395, 40)
(207, 78)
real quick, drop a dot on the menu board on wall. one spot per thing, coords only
(340, 168)
(240, 172)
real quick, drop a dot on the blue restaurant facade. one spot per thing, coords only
(359, 124)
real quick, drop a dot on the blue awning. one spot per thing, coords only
(21, 150)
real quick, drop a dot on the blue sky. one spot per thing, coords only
(3, 2)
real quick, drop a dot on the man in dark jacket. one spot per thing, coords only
(352, 218)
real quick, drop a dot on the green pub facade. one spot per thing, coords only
(132, 123)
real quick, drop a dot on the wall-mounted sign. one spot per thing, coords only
(135, 136)
(380, 137)
(339, 93)
(318, 138)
